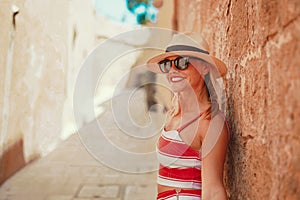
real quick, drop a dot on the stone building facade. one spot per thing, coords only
(43, 45)
(33, 65)
(260, 43)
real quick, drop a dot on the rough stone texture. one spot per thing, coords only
(260, 43)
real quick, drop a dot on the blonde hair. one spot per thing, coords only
(213, 97)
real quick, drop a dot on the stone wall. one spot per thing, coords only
(43, 45)
(260, 43)
(33, 61)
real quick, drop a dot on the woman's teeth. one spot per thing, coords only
(176, 79)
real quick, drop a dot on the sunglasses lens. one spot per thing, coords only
(165, 66)
(181, 62)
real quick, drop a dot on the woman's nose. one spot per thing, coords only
(173, 67)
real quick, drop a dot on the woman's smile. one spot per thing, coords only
(176, 79)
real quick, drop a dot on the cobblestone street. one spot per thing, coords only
(71, 173)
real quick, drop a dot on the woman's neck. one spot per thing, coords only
(193, 101)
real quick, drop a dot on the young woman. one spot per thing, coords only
(193, 144)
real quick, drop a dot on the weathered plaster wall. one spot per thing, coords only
(40, 60)
(81, 41)
(260, 43)
(33, 63)
(50, 41)
(87, 30)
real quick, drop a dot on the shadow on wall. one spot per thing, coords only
(11, 160)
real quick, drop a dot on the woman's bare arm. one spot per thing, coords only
(214, 148)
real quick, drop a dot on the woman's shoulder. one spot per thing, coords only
(216, 122)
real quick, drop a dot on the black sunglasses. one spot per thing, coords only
(180, 63)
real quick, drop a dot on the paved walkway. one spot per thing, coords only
(72, 171)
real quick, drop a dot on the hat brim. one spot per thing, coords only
(218, 67)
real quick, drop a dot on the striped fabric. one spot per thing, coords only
(180, 165)
(181, 194)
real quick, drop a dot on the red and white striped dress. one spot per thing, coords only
(180, 165)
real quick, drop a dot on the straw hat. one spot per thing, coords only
(190, 44)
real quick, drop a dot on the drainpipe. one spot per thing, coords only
(7, 83)
(175, 20)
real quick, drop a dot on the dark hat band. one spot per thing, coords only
(185, 48)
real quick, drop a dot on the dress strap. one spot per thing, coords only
(189, 122)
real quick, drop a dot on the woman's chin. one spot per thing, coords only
(178, 87)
